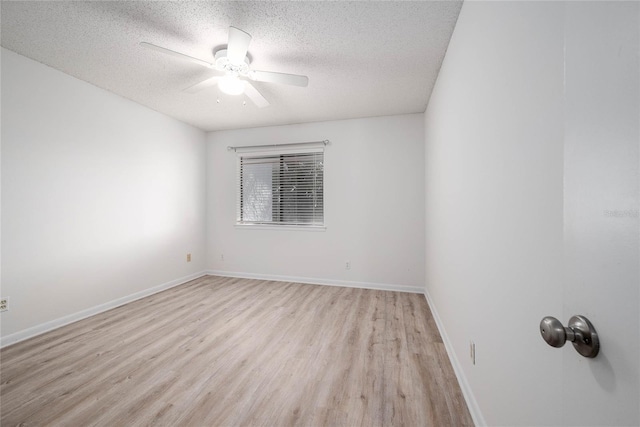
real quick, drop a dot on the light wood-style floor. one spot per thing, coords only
(223, 351)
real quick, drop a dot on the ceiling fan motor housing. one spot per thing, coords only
(222, 63)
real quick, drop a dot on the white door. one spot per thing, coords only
(601, 200)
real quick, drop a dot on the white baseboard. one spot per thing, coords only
(472, 403)
(315, 281)
(62, 321)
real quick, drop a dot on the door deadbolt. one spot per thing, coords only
(579, 331)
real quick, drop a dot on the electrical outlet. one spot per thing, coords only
(4, 304)
(347, 266)
(188, 257)
(472, 352)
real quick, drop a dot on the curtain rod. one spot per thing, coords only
(325, 142)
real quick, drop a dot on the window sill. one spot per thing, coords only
(281, 227)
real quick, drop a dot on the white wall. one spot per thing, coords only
(374, 206)
(531, 136)
(102, 198)
(494, 204)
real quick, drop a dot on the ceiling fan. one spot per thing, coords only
(234, 67)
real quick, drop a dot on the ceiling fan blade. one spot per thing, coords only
(238, 45)
(281, 78)
(255, 96)
(211, 81)
(176, 54)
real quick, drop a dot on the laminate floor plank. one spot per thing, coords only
(237, 352)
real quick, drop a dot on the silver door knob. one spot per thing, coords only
(579, 331)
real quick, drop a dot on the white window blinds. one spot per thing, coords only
(281, 188)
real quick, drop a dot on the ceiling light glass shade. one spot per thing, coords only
(231, 85)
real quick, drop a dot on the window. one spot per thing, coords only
(281, 188)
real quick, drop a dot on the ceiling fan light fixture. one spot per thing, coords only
(231, 85)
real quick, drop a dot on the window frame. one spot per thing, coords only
(277, 150)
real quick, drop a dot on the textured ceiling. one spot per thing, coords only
(362, 58)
